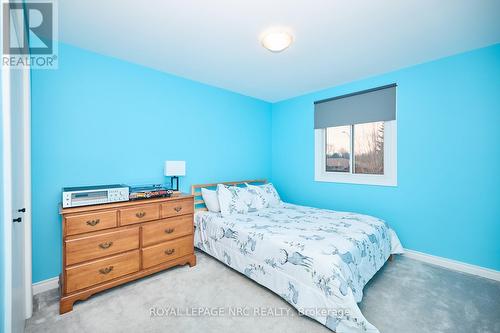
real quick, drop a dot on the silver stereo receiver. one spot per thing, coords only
(94, 195)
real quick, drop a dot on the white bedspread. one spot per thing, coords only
(318, 260)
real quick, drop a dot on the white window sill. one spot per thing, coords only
(337, 177)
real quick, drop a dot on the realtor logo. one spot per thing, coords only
(28, 32)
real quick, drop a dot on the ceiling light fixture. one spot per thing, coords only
(277, 41)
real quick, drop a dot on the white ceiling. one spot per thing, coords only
(336, 41)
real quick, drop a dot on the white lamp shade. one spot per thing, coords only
(175, 168)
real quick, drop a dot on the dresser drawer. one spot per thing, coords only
(102, 270)
(177, 207)
(163, 252)
(167, 229)
(81, 223)
(139, 214)
(97, 246)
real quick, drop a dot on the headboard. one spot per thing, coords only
(199, 203)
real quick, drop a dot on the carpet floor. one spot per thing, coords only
(404, 296)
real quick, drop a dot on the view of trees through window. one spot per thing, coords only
(368, 141)
(369, 148)
(338, 149)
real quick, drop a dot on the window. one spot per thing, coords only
(358, 152)
(338, 149)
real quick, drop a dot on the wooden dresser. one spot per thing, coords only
(111, 244)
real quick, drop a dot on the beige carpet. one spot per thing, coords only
(405, 296)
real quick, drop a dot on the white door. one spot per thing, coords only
(17, 201)
(16, 122)
(19, 91)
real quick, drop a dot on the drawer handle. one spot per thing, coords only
(169, 230)
(178, 209)
(106, 245)
(169, 251)
(93, 223)
(140, 214)
(106, 270)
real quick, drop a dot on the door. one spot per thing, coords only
(16, 122)
(21, 294)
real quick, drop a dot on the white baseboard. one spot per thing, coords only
(40, 287)
(454, 265)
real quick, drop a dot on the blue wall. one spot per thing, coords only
(99, 120)
(447, 202)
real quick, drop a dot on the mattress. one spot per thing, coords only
(317, 260)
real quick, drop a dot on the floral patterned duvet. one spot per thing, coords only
(317, 260)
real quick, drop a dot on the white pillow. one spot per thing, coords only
(257, 199)
(211, 200)
(268, 193)
(232, 200)
(251, 199)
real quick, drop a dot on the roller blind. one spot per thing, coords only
(378, 104)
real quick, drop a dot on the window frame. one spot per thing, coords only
(389, 178)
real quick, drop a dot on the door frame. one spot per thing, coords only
(7, 190)
(7, 198)
(28, 279)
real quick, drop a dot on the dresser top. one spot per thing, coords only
(175, 196)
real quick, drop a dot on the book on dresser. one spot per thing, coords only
(111, 244)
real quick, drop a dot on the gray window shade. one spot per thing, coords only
(378, 104)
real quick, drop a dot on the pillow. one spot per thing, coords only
(258, 201)
(211, 200)
(251, 199)
(232, 200)
(268, 193)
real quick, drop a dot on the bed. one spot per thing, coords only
(318, 260)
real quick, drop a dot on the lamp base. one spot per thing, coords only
(176, 183)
